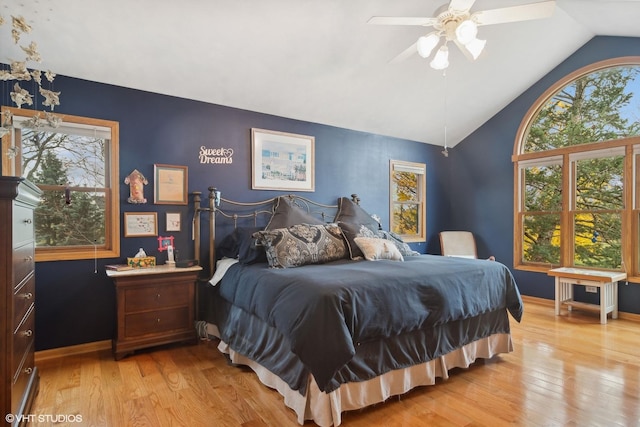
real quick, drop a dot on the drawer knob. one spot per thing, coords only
(28, 221)
(28, 295)
(29, 258)
(28, 371)
(28, 333)
(158, 320)
(157, 296)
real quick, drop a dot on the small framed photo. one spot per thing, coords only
(140, 224)
(282, 161)
(164, 243)
(170, 185)
(173, 221)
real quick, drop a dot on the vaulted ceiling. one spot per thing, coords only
(312, 60)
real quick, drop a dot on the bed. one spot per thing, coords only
(336, 314)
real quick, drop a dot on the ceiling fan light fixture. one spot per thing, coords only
(427, 43)
(466, 31)
(441, 60)
(475, 47)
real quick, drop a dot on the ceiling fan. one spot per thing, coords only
(456, 23)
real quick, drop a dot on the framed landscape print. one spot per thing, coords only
(282, 161)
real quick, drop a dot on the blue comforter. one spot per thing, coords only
(325, 311)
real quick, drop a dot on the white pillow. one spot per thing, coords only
(374, 248)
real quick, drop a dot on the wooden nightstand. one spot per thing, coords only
(154, 306)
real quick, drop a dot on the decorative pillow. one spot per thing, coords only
(286, 214)
(375, 248)
(350, 212)
(353, 230)
(303, 244)
(241, 244)
(404, 249)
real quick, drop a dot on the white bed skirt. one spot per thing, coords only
(325, 409)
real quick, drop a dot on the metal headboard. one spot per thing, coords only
(241, 211)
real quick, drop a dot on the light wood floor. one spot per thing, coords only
(565, 371)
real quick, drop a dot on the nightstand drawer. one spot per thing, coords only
(23, 299)
(153, 298)
(23, 262)
(157, 322)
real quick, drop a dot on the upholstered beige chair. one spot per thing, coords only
(459, 244)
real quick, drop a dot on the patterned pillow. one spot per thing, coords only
(303, 244)
(375, 248)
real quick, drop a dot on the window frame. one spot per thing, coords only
(421, 170)
(630, 146)
(111, 247)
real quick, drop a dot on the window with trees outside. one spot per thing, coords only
(407, 200)
(577, 170)
(76, 167)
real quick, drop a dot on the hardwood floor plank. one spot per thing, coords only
(566, 370)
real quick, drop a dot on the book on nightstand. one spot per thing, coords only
(118, 267)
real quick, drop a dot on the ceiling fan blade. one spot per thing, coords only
(392, 20)
(524, 12)
(462, 5)
(405, 54)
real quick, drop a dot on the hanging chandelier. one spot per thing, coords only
(17, 73)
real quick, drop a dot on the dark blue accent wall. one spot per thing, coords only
(471, 189)
(75, 300)
(481, 177)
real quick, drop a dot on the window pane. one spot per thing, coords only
(405, 187)
(598, 241)
(600, 106)
(541, 239)
(80, 223)
(543, 188)
(76, 159)
(599, 183)
(406, 219)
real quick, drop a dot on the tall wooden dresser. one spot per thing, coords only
(18, 374)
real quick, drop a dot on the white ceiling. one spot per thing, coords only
(312, 60)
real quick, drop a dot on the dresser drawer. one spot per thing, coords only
(157, 322)
(21, 381)
(23, 262)
(22, 340)
(23, 299)
(22, 225)
(156, 297)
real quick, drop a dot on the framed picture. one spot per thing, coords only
(173, 221)
(164, 243)
(282, 161)
(170, 185)
(139, 224)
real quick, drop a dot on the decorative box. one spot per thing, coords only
(142, 262)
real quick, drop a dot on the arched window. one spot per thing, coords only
(576, 168)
